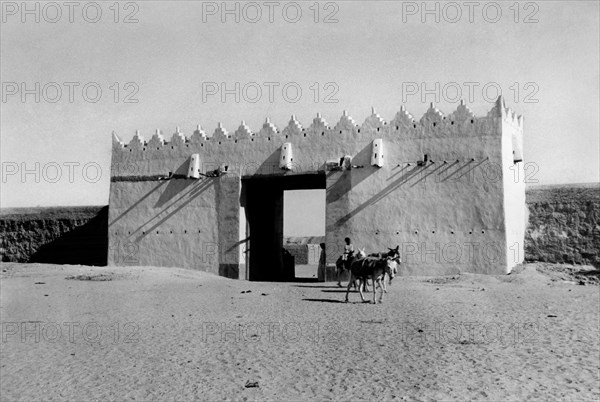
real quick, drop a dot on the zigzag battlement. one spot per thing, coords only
(432, 124)
(507, 114)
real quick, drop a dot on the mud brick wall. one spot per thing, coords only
(63, 235)
(564, 224)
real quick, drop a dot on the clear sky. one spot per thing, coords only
(544, 56)
(304, 213)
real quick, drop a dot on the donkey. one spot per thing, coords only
(371, 268)
(392, 253)
(393, 256)
(340, 264)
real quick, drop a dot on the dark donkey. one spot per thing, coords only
(373, 268)
(393, 255)
(341, 265)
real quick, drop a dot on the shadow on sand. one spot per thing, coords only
(338, 290)
(305, 280)
(325, 300)
(319, 286)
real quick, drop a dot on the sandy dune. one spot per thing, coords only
(170, 334)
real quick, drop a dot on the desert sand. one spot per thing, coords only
(146, 333)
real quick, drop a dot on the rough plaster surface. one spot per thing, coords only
(64, 235)
(564, 224)
(448, 215)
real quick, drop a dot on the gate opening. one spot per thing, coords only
(304, 230)
(263, 202)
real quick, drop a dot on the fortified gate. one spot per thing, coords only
(447, 188)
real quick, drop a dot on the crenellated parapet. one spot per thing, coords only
(117, 144)
(434, 123)
(220, 133)
(346, 123)
(318, 126)
(432, 117)
(243, 132)
(462, 114)
(374, 121)
(157, 141)
(293, 128)
(268, 129)
(512, 127)
(403, 119)
(178, 139)
(137, 143)
(506, 114)
(199, 135)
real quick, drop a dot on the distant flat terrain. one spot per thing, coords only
(49, 212)
(557, 192)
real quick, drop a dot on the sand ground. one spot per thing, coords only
(144, 333)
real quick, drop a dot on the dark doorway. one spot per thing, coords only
(262, 197)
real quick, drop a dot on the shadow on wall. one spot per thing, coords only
(175, 186)
(403, 176)
(350, 178)
(84, 245)
(197, 188)
(270, 165)
(136, 203)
